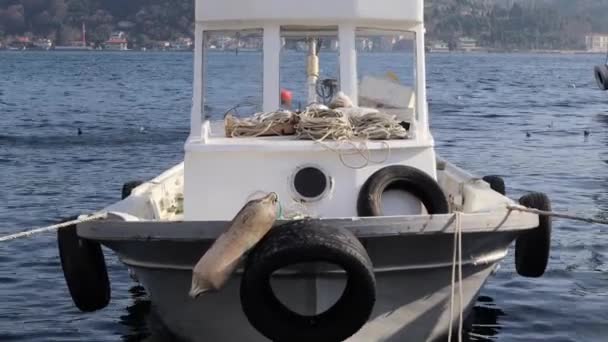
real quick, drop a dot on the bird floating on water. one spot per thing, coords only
(586, 133)
(528, 134)
(79, 131)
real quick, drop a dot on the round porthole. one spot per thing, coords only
(310, 183)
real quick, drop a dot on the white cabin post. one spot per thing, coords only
(348, 62)
(196, 113)
(421, 105)
(272, 54)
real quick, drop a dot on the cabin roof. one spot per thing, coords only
(320, 11)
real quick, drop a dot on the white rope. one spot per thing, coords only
(319, 124)
(260, 124)
(53, 227)
(556, 214)
(457, 259)
(377, 126)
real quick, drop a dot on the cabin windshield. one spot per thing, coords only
(309, 70)
(233, 72)
(386, 70)
(309, 65)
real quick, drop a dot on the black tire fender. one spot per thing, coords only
(304, 242)
(496, 183)
(128, 187)
(405, 178)
(532, 247)
(84, 269)
(601, 76)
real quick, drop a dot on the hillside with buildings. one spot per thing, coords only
(167, 24)
(517, 24)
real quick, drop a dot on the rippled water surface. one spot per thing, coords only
(133, 110)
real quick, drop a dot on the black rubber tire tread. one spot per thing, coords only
(601, 76)
(84, 269)
(405, 178)
(533, 247)
(301, 242)
(496, 183)
(128, 187)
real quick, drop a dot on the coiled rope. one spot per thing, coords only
(377, 126)
(260, 124)
(319, 124)
(27, 233)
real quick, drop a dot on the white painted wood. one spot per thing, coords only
(218, 183)
(348, 62)
(387, 11)
(362, 227)
(272, 48)
(421, 101)
(196, 113)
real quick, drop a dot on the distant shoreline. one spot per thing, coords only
(476, 51)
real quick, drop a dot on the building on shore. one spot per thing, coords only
(42, 44)
(117, 42)
(596, 42)
(466, 44)
(75, 45)
(181, 44)
(438, 46)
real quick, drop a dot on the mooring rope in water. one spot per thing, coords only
(556, 214)
(457, 259)
(53, 227)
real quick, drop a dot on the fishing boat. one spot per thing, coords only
(377, 237)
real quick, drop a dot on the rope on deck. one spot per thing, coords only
(556, 214)
(27, 233)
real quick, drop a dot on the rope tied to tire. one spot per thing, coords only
(555, 214)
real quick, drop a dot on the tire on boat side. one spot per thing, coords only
(405, 178)
(304, 242)
(84, 269)
(532, 247)
(601, 76)
(496, 183)
(128, 187)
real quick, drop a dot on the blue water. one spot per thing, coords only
(133, 109)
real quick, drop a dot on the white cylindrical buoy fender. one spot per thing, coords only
(248, 227)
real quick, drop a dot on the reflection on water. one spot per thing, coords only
(142, 322)
(484, 321)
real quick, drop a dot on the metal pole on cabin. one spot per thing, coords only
(312, 70)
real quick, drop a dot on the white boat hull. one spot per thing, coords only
(412, 296)
(412, 258)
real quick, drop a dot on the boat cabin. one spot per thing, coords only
(271, 56)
